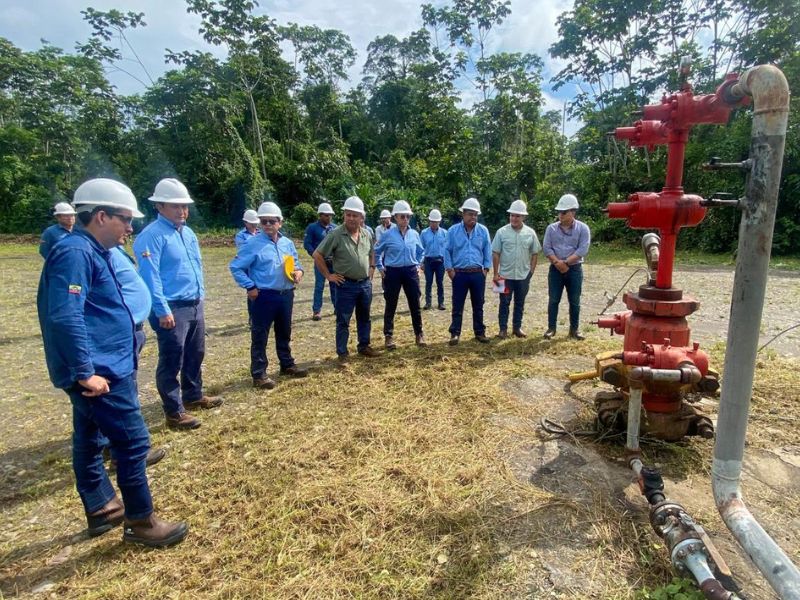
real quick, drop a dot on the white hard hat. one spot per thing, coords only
(471, 204)
(270, 209)
(250, 216)
(105, 192)
(63, 208)
(518, 208)
(171, 191)
(385, 214)
(434, 216)
(355, 204)
(325, 209)
(401, 207)
(567, 202)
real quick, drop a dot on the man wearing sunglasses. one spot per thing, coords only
(268, 267)
(170, 264)
(566, 243)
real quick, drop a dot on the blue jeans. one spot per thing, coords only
(350, 296)
(115, 416)
(319, 290)
(180, 350)
(434, 267)
(475, 284)
(556, 282)
(518, 290)
(271, 308)
(407, 279)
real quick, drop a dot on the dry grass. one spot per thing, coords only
(392, 478)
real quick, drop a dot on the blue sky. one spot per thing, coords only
(530, 28)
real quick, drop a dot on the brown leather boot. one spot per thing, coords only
(420, 340)
(206, 403)
(154, 532)
(105, 519)
(182, 421)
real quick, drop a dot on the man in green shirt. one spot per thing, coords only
(515, 250)
(352, 251)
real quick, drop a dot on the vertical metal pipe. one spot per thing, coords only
(770, 92)
(666, 260)
(634, 418)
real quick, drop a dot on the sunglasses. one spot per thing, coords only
(123, 218)
(269, 221)
(402, 216)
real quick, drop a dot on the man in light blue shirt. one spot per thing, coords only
(515, 251)
(65, 221)
(262, 267)
(384, 226)
(434, 240)
(315, 233)
(398, 257)
(250, 229)
(467, 259)
(170, 264)
(566, 243)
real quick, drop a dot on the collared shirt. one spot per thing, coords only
(380, 230)
(259, 263)
(86, 326)
(170, 264)
(398, 250)
(315, 233)
(134, 290)
(564, 244)
(468, 250)
(371, 232)
(244, 236)
(50, 236)
(350, 259)
(516, 248)
(434, 242)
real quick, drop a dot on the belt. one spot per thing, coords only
(184, 303)
(350, 279)
(434, 258)
(274, 291)
(470, 270)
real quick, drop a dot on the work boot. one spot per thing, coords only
(503, 334)
(182, 421)
(263, 382)
(316, 317)
(152, 531)
(105, 519)
(206, 403)
(520, 334)
(420, 339)
(369, 352)
(549, 334)
(427, 306)
(389, 343)
(294, 371)
(343, 359)
(153, 456)
(576, 335)
(442, 307)
(453, 340)
(482, 338)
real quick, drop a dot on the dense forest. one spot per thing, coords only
(264, 122)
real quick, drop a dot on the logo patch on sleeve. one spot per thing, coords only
(146, 254)
(74, 288)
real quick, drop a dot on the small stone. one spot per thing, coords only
(442, 558)
(45, 586)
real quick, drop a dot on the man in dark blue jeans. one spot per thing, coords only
(88, 334)
(434, 240)
(566, 243)
(315, 233)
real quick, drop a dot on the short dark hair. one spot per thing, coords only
(85, 217)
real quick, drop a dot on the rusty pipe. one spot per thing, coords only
(770, 92)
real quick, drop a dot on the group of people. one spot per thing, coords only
(93, 301)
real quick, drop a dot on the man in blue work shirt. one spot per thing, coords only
(250, 229)
(467, 258)
(315, 233)
(260, 267)
(398, 257)
(434, 240)
(566, 243)
(88, 334)
(170, 264)
(385, 225)
(65, 221)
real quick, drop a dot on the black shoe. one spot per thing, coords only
(453, 340)
(576, 335)
(482, 339)
(294, 371)
(427, 306)
(442, 307)
(503, 334)
(549, 334)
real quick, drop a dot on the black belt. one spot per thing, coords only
(435, 258)
(350, 279)
(470, 270)
(274, 291)
(184, 303)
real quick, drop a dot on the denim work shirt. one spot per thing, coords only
(380, 230)
(259, 263)
(86, 326)
(134, 290)
(170, 264)
(315, 233)
(468, 250)
(243, 236)
(398, 250)
(516, 248)
(434, 243)
(564, 244)
(50, 236)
